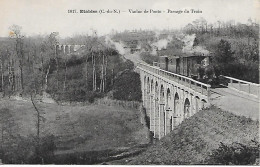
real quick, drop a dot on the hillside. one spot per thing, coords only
(195, 138)
(75, 129)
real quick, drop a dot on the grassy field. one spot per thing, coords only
(195, 138)
(81, 128)
(99, 133)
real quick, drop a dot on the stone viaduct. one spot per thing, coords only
(67, 49)
(170, 98)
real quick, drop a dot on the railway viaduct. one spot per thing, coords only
(170, 98)
(67, 49)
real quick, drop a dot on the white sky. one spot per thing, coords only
(46, 16)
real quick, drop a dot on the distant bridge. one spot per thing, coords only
(67, 49)
(170, 98)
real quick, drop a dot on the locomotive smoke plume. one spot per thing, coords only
(118, 45)
(160, 44)
(188, 45)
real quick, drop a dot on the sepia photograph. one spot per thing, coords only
(129, 82)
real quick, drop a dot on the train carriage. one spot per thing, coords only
(187, 65)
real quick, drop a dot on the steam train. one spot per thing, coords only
(196, 66)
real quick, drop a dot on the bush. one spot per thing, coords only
(22, 150)
(235, 154)
(127, 86)
(92, 95)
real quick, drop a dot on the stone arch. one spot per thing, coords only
(162, 113)
(176, 110)
(148, 85)
(156, 90)
(148, 102)
(169, 112)
(143, 88)
(156, 109)
(203, 103)
(168, 98)
(197, 100)
(187, 108)
(62, 48)
(72, 48)
(66, 49)
(144, 82)
(152, 85)
(176, 104)
(152, 106)
(162, 95)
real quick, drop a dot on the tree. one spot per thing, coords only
(203, 22)
(223, 57)
(189, 28)
(44, 60)
(15, 32)
(196, 24)
(89, 45)
(224, 54)
(3, 57)
(53, 41)
(47, 54)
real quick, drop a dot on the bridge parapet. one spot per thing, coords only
(180, 79)
(246, 87)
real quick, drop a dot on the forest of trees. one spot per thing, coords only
(32, 64)
(234, 46)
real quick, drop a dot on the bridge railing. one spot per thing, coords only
(240, 85)
(186, 81)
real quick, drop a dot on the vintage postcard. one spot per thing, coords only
(129, 82)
